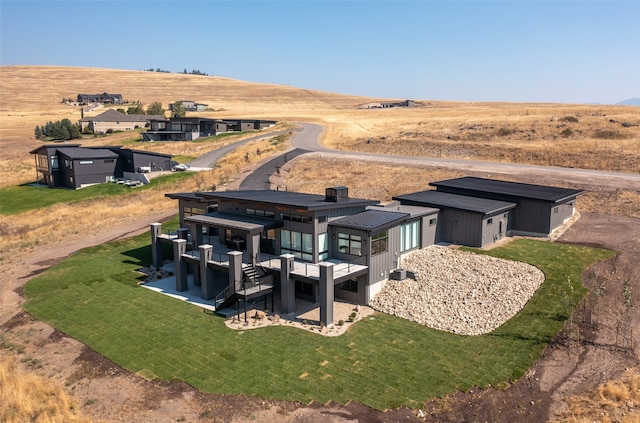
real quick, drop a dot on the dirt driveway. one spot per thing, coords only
(571, 364)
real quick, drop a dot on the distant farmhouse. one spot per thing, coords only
(103, 98)
(73, 166)
(241, 246)
(113, 120)
(390, 104)
(190, 106)
(191, 128)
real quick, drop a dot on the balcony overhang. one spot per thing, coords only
(249, 224)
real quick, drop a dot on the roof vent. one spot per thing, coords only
(336, 194)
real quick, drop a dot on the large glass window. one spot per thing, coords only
(296, 243)
(409, 235)
(296, 218)
(323, 246)
(379, 243)
(350, 244)
(259, 212)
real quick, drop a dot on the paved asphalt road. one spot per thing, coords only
(209, 159)
(306, 141)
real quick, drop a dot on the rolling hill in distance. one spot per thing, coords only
(33, 95)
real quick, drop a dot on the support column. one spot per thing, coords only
(206, 274)
(179, 248)
(156, 245)
(235, 269)
(182, 233)
(326, 294)
(253, 247)
(287, 285)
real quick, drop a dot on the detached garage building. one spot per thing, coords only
(464, 220)
(539, 209)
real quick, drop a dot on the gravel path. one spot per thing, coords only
(459, 292)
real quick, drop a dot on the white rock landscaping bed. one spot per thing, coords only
(459, 292)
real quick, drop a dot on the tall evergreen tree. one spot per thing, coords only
(178, 109)
(155, 108)
(38, 132)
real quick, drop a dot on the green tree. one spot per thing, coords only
(136, 109)
(178, 109)
(155, 108)
(75, 131)
(47, 129)
(59, 131)
(38, 132)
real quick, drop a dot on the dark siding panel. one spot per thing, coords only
(94, 173)
(153, 161)
(462, 228)
(532, 216)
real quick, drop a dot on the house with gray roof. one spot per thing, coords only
(243, 247)
(73, 166)
(104, 98)
(112, 120)
(191, 128)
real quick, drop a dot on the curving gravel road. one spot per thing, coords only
(308, 139)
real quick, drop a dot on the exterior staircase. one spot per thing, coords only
(255, 283)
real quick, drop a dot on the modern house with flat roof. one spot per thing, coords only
(73, 166)
(238, 246)
(190, 106)
(191, 128)
(327, 244)
(539, 210)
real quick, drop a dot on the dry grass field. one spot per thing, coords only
(26, 397)
(587, 136)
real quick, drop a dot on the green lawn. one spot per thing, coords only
(18, 199)
(383, 362)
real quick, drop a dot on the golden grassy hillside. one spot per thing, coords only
(590, 136)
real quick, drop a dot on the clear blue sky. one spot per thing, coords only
(539, 51)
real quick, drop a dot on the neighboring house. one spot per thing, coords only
(241, 246)
(539, 209)
(190, 106)
(73, 166)
(391, 104)
(191, 128)
(103, 98)
(113, 120)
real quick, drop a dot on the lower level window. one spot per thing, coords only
(350, 285)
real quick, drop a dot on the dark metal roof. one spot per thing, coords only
(236, 221)
(56, 146)
(88, 153)
(370, 219)
(287, 198)
(454, 201)
(116, 116)
(514, 189)
(413, 211)
(193, 196)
